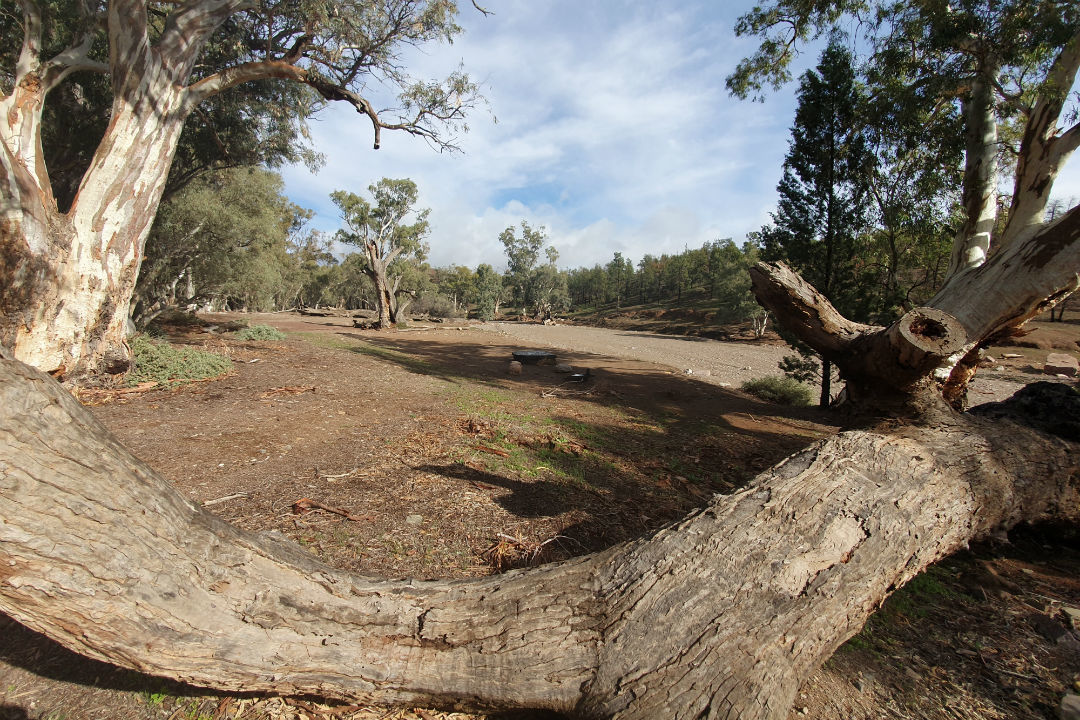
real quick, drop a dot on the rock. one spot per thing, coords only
(1073, 615)
(414, 520)
(515, 368)
(1070, 707)
(1011, 356)
(1000, 368)
(563, 368)
(1061, 364)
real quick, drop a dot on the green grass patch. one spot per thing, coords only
(260, 332)
(780, 390)
(155, 360)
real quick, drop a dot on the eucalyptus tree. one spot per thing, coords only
(994, 65)
(487, 292)
(539, 287)
(389, 244)
(68, 275)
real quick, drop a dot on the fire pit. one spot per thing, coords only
(534, 357)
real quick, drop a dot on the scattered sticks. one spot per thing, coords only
(288, 390)
(305, 505)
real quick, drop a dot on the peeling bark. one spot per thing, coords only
(721, 615)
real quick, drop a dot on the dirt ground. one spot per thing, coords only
(448, 466)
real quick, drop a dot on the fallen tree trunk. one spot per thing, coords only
(719, 616)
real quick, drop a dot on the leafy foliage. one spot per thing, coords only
(539, 288)
(487, 292)
(158, 361)
(260, 332)
(223, 238)
(782, 390)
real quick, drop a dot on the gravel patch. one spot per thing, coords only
(713, 361)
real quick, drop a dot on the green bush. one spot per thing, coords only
(260, 332)
(169, 365)
(436, 306)
(782, 390)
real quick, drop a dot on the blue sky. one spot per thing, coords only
(608, 123)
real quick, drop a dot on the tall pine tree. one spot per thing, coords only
(823, 191)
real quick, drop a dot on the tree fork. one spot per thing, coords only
(722, 615)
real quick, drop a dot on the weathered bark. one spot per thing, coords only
(1043, 150)
(719, 616)
(888, 366)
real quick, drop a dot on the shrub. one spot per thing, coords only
(260, 332)
(436, 306)
(178, 317)
(782, 390)
(169, 365)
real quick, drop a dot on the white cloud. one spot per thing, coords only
(614, 130)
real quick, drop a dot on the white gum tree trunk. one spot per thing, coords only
(719, 616)
(979, 201)
(68, 277)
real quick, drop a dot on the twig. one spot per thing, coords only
(336, 477)
(234, 496)
(561, 392)
(493, 451)
(288, 390)
(306, 504)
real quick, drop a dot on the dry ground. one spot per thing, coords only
(449, 467)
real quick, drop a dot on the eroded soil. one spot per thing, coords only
(447, 466)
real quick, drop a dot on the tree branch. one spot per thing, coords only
(30, 54)
(187, 29)
(728, 609)
(903, 353)
(280, 69)
(1042, 153)
(73, 59)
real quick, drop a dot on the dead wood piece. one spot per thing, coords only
(304, 505)
(337, 477)
(141, 387)
(217, 501)
(492, 451)
(288, 390)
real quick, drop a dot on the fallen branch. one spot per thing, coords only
(337, 477)
(493, 451)
(304, 505)
(216, 501)
(141, 387)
